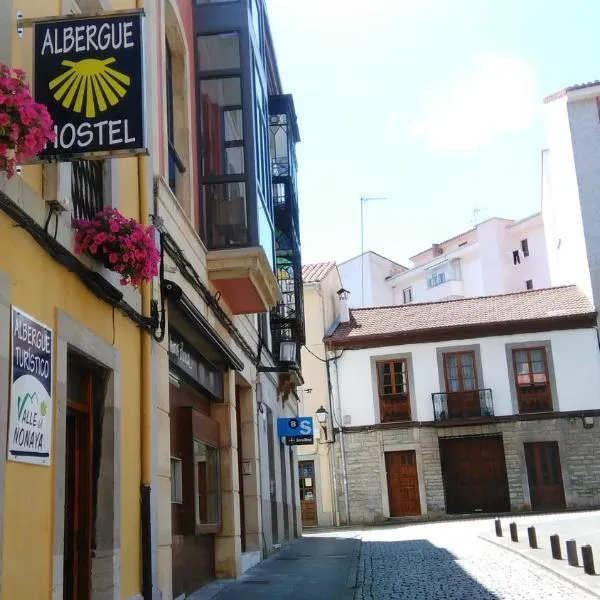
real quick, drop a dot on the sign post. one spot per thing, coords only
(297, 431)
(31, 403)
(89, 73)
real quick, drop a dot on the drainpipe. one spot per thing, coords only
(342, 444)
(146, 384)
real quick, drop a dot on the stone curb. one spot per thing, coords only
(540, 563)
(354, 561)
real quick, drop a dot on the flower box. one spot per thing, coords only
(25, 125)
(121, 244)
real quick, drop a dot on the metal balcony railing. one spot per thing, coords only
(462, 405)
(87, 189)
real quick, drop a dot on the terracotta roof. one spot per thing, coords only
(548, 306)
(316, 272)
(572, 88)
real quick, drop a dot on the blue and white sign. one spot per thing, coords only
(296, 430)
(30, 420)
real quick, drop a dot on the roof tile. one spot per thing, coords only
(540, 304)
(316, 272)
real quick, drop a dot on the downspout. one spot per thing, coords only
(146, 385)
(342, 444)
(331, 455)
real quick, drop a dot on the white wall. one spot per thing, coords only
(377, 290)
(350, 273)
(534, 266)
(584, 121)
(575, 356)
(563, 222)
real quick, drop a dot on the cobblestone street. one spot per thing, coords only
(448, 561)
(433, 561)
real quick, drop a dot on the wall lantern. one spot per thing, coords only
(322, 415)
(287, 352)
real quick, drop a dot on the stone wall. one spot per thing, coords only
(579, 450)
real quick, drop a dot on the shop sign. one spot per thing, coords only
(89, 74)
(297, 431)
(186, 358)
(30, 418)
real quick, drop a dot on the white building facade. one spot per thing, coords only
(570, 183)
(367, 277)
(497, 256)
(467, 406)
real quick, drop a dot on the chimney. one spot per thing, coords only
(437, 250)
(344, 296)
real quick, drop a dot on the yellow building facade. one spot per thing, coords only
(100, 362)
(321, 312)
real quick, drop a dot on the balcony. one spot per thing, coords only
(287, 318)
(244, 278)
(462, 405)
(394, 408)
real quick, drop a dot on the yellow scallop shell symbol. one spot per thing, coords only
(91, 82)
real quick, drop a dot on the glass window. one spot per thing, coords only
(460, 372)
(222, 126)
(176, 481)
(265, 232)
(392, 377)
(206, 483)
(218, 52)
(200, 2)
(254, 9)
(226, 215)
(407, 295)
(531, 374)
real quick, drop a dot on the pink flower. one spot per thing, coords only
(113, 257)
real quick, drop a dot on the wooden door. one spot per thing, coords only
(403, 483)
(308, 493)
(78, 493)
(474, 474)
(545, 476)
(461, 384)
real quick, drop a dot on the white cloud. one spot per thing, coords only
(497, 96)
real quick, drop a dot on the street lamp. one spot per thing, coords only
(362, 246)
(322, 415)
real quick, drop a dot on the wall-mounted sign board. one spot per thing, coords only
(297, 431)
(89, 73)
(31, 403)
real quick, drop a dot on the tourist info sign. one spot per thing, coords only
(30, 419)
(296, 430)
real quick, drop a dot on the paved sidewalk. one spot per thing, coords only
(584, 528)
(322, 567)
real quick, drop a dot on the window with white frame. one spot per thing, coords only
(407, 295)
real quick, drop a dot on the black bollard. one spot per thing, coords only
(555, 546)
(572, 553)
(588, 559)
(531, 534)
(498, 526)
(514, 535)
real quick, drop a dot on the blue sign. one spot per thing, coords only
(296, 430)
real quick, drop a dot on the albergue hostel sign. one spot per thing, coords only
(88, 72)
(30, 419)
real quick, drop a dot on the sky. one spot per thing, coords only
(434, 105)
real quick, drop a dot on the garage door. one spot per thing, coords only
(474, 473)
